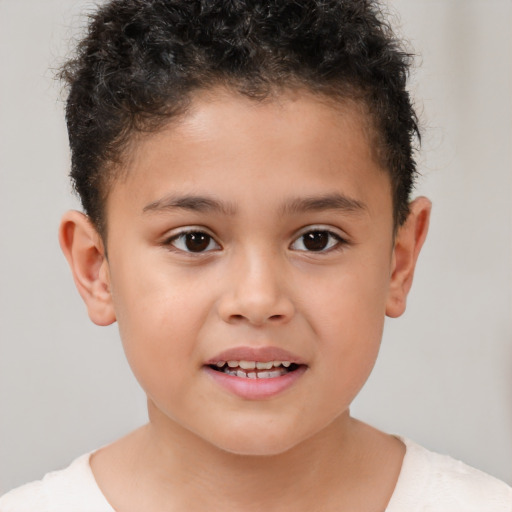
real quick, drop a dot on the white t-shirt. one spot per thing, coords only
(428, 482)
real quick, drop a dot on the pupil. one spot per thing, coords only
(197, 242)
(316, 240)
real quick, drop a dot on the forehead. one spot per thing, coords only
(289, 118)
(294, 143)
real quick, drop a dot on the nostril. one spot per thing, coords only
(255, 309)
(254, 319)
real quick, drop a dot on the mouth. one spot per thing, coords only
(256, 373)
(259, 373)
(255, 369)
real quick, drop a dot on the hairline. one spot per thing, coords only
(117, 167)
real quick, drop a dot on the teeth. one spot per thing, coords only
(264, 366)
(247, 365)
(256, 375)
(251, 365)
(269, 375)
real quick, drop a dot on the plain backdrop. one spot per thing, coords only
(444, 377)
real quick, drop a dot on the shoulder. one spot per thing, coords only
(431, 482)
(73, 488)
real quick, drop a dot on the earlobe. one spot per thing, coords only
(408, 243)
(83, 248)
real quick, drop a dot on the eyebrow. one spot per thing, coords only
(193, 203)
(333, 201)
(204, 204)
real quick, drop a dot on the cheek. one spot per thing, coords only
(352, 302)
(159, 318)
(349, 315)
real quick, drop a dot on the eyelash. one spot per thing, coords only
(182, 236)
(333, 240)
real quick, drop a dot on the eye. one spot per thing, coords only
(317, 240)
(193, 241)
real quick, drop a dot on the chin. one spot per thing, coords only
(257, 442)
(257, 448)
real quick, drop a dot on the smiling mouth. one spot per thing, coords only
(255, 369)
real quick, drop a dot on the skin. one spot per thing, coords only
(255, 285)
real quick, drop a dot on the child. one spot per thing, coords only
(246, 169)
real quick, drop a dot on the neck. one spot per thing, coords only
(328, 466)
(163, 466)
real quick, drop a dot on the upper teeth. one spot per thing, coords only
(251, 365)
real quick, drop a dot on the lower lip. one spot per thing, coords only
(256, 389)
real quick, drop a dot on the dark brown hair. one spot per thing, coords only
(141, 59)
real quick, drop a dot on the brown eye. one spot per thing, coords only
(197, 242)
(316, 241)
(194, 241)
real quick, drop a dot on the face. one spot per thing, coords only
(250, 252)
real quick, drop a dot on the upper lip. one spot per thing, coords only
(261, 354)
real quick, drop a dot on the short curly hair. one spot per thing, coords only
(141, 60)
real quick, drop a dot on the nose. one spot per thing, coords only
(256, 292)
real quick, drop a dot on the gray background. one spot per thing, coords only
(444, 376)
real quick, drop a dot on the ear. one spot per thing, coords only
(408, 242)
(83, 248)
